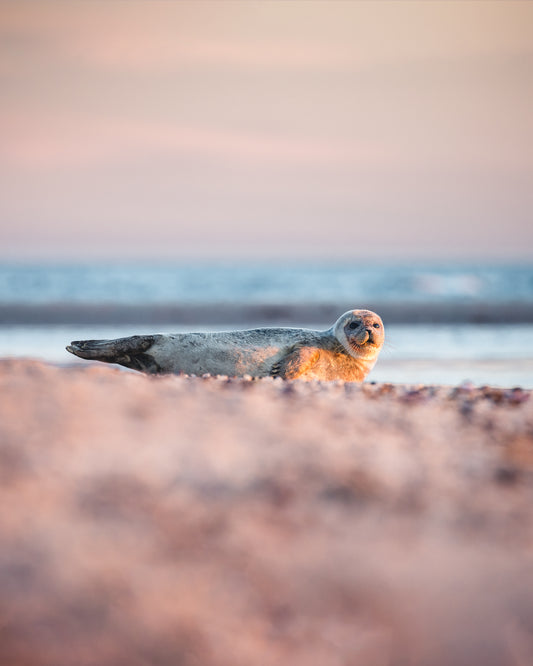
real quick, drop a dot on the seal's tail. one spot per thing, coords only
(129, 352)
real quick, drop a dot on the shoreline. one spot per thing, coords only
(263, 314)
(228, 521)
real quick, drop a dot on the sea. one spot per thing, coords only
(445, 323)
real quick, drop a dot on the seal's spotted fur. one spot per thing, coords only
(348, 351)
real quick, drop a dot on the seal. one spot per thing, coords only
(347, 351)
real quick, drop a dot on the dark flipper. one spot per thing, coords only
(129, 352)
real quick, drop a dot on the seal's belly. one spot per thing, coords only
(194, 355)
(232, 362)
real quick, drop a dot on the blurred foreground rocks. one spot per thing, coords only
(181, 521)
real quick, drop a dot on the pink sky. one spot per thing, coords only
(269, 129)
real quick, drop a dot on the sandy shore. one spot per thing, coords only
(213, 522)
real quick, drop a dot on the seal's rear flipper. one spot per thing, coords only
(129, 352)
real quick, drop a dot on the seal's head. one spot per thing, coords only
(361, 333)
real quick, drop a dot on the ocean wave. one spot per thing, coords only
(249, 314)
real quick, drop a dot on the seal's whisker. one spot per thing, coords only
(387, 351)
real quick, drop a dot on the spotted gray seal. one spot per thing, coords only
(348, 351)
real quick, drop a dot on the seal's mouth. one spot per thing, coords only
(363, 337)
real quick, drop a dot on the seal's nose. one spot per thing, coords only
(362, 336)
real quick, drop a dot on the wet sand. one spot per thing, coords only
(265, 314)
(214, 522)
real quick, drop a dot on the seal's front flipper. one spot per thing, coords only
(295, 363)
(129, 352)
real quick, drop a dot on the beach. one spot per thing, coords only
(213, 521)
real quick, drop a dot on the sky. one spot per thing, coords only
(266, 129)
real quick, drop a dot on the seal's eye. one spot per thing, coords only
(376, 325)
(353, 325)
